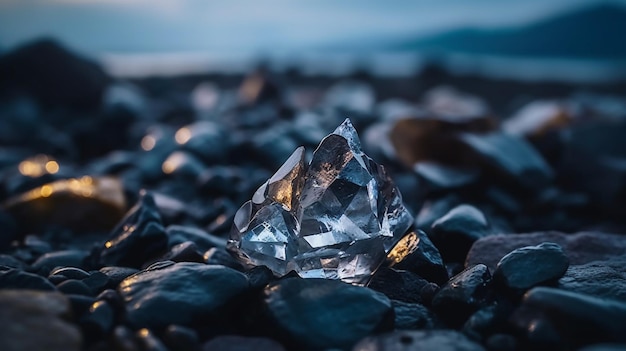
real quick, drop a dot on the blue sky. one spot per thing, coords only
(104, 26)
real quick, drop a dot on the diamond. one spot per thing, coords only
(336, 218)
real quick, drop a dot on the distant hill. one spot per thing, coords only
(596, 32)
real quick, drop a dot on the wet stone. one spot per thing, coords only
(530, 266)
(178, 234)
(441, 340)
(67, 258)
(97, 281)
(117, 274)
(70, 273)
(455, 232)
(398, 285)
(18, 279)
(37, 322)
(413, 316)
(425, 261)
(305, 311)
(219, 256)
(184, 252)
(99, 319)
(580, 248)
(181, 293)
(76, 287)
(139, 237)
(604, 279)
(241, 343)
(558, 319)
(463, 295)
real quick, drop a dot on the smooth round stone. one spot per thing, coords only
(181, 293)
(99, 320)
(117, 274)
(18, 279)
(97, 281)
(457, 230)
(76, 287)
(180, 338)
(34, 320)
(440, 340)
(558, 319)
(323, 314)
(67, 258)
(463, 295)
(241, 343)
(70, 273)
(530, 266)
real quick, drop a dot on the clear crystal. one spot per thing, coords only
(335, 219)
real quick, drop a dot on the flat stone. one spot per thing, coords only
(604, 279)
(580, 248)
(36, 322)
(180, 293)
(463, 295)
(561, 319)
(310, 312)
(455, 232)
(526, 267)
(440, 340)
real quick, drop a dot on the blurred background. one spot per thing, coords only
(517, 107)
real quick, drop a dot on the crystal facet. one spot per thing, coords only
(335, 219)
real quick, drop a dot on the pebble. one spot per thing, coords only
(76, 287)
(181, 293)
(561, 319)
(604, 279)
(413, 316)
(18, 279)
(463, 295)
(398, 285)
(309, 312)
(580, 248)
(425, 261)
(529, 266)
(457, 230)
(66, 258)
(36, 322)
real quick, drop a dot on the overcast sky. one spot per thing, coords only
(102, 26)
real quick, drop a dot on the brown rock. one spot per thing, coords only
(580, 248)
(33, 321)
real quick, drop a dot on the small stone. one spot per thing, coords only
(124, 339)
(76, 287)
(440, 340)
(99, 320)
(18, 279)
(425, 261)
(11, 262)
(67, 258)
(482, 323)
(413, 316)
(180, 293)
(561, 319)
(428, 292)
(219, 256)
(117, 274)
(260, 276)
(178, 234)
(96, 282)
(580, 248)
(80, 303)
(149, 341)
(306, 311)
(137, 238)
(463, 295)
(604, 279)
(241, 343)
(180, 338)
(36, 322)
(455, 232)
(398, 285)
(70, 273)
(529, 266)
(184, 252)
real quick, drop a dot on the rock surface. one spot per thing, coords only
(440, 340)
(457, 230)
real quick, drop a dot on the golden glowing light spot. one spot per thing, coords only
(168, 167)
(86, 180)
(46, 190)
(108, 244)
(182, 135)
(52, 167)
(408, 244)
(148, 142)
(144, 332)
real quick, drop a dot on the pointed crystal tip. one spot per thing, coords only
(335, 218)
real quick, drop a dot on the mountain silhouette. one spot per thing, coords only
(596, 32)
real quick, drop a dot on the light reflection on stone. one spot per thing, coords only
(335, 219)
(38, 165)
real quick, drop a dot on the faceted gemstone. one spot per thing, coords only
(335, 219)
